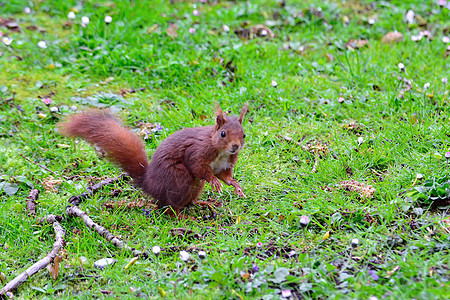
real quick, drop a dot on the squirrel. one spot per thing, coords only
(181, 164)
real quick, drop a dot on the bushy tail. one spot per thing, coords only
(122, 146)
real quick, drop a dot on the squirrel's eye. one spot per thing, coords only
(223, 134)
(244, 135)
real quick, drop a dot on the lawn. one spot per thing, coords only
(345, 165)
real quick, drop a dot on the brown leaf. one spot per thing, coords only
(152, 28)
(172, 30)
(356, 44)
(359, 187)
(50, 184)
(392, 37)
(54, 268)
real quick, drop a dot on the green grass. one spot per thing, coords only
(183, 76)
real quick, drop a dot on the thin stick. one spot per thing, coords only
(91, 190)
(42, 263)
(75, 211)
(40, 166)
(31, 202)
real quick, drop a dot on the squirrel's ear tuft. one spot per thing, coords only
(220, 118)
(243, 111)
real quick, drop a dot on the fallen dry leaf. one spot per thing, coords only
(356, 44)
(54, 268)
(359, 187)
(50, 184)
(172, 30)
(392, 37)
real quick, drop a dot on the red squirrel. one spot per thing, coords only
(180, 165)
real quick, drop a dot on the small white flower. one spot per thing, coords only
(274, 83)
(54, 109)
(226, 28)
(27, 10)
(84, 20)
(286, 293)
(191, 30)
(7, 41)
(202, 254)
(195, 12)
(410, 16)
(373, 298)
(71, 15)
(360, 140)
(108, 19)
(425, 33)
(304, 221)
(355, 243)
(416, 38)
(184, 256)
(444, 80)
(264, 32)
(446, 39)
(371, 21)
(419, 176)
(401, 66)
(156, 250)
(42, 44)
(426, 86)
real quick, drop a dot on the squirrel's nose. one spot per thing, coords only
(235, 147)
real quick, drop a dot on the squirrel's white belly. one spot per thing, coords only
(221, 163)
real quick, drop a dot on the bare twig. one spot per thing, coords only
(31, 202)
(75, 211)
(91, 190)
(42, 263)
(40, 166)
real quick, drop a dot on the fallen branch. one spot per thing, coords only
(75, 211)
(31, 202)
(91, 190)
(42, 263)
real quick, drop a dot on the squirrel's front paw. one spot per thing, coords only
(237, 189)
(216, 184)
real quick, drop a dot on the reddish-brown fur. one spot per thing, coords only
(180, 165)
